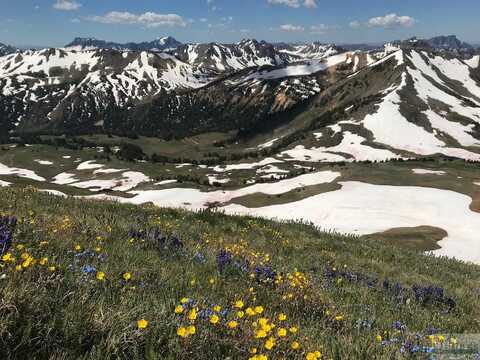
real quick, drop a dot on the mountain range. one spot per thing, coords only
(407, 98)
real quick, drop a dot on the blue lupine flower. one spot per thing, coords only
(88, 269)
(224, 258)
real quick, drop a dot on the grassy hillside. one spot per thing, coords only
(95, 280)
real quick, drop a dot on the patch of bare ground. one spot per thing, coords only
(422, 238)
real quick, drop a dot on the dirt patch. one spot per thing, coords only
(422, 238)
(475, 205)
(260, 200)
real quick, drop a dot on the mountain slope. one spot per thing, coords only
(125, 279)
(409, 103)
(407, 100)
(61, 88)
(219, 58)
(6, 49)
(315, 50)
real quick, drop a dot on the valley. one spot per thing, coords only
(381, 142)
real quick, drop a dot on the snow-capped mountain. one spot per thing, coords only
(409, 103)
(6, 49)
(167, 43)
(407, 99)
(41, 87)
(219, 58)
(315, 50)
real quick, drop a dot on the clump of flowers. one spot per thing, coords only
(252, 327)
(7, 225)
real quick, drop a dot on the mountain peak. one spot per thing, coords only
(6, 49)
(160, 44)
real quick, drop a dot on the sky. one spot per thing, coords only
(56, 22)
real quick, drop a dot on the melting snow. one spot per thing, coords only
(362, 208)
(29, 174)
(426, 171)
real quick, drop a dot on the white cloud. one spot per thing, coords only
(67, 5)
(290, 3)
(391, 20)
(319, 29)
(292, 28)
(388, 21)
(310, 4)
(149, 19)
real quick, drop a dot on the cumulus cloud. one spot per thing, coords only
(291, 28)
(149, 19)
(391, 20)
(294, 3)
(311, 4)
(67, 5)
(319, 29)
(388, 21)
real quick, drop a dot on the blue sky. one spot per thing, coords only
(56, 22)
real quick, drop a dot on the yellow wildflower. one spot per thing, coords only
(258, 309)
(8, 258)
(192, 315)
(184, 300)
(282, 317)
(260, 334)
(217, 308)
(378, 338)
(270, 343)
(179, 309)
(240, 314)
(127, 276)
(29, 261)
(52, 268)
(78, 248)
(232, 324)
(293, 330)
(295, 345)
(282, 332)
(214, 319)
(182, 332)
(43, 261)
(250, 311)
(191, 330)
(239, 304)
(142, 324)
(339, 317)
(100, 276)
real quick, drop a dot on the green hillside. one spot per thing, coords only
(98, 280)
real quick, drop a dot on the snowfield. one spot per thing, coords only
(351, 144)
(246, 166)
(360, 208)
(428, 172)
(29, 174)
(194, 199)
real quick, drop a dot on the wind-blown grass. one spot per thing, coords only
(98, 280)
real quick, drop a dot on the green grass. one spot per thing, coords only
(63, 313)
